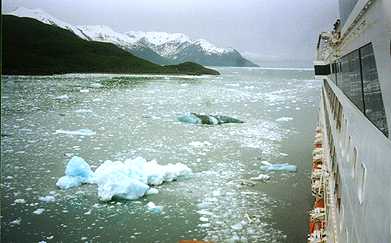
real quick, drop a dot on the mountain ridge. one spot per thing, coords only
(31, 47)
(159, 47)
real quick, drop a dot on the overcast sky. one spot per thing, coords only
(260, 29)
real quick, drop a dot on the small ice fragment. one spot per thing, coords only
(84, 91)
(50, 237)
(96, 85)
(67, 182)
(279, 167)
(62, 97)
(153, 208)
(237, 226)
(264, 162)
(198, 144)
(83, 111)
(284, 119)
(205, 212)
(21, 201)
(16, 221)
(260, 177)
(152, 191)
(206, 225)
(47, 199)
(204, 219)
(88, 212)
(80, 132)
(39, 211)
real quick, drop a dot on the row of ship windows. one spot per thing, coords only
(359, 174)
(356, 75)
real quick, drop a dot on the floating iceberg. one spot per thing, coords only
(80, 132)
(278, 167)
(78, 171)
(130, 179)
(122, 180)
(195, 118)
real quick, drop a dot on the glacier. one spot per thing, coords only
(130, 179)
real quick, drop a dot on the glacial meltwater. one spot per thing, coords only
(45, 120)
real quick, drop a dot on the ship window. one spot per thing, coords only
(351, 78)
(322, 69)
(361, 182)
(337, 188)
(374, 107)
(354, 161)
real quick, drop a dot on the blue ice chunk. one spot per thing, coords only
(78, 167)
(279, 167)
(190, 118)
(77, 171)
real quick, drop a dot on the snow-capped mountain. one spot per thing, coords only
(158, 47)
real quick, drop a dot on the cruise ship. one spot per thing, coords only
(351, 166)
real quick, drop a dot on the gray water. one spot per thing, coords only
(135, 115)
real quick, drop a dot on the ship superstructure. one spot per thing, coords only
(351, 175)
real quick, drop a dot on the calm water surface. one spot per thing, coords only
(136, 116)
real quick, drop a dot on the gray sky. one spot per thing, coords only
(263, 30)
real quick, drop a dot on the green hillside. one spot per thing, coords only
(31, 47)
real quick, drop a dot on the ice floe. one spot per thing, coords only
(278, 167)
(130, 179)
(80, 132)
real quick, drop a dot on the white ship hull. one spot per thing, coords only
(355, 123)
